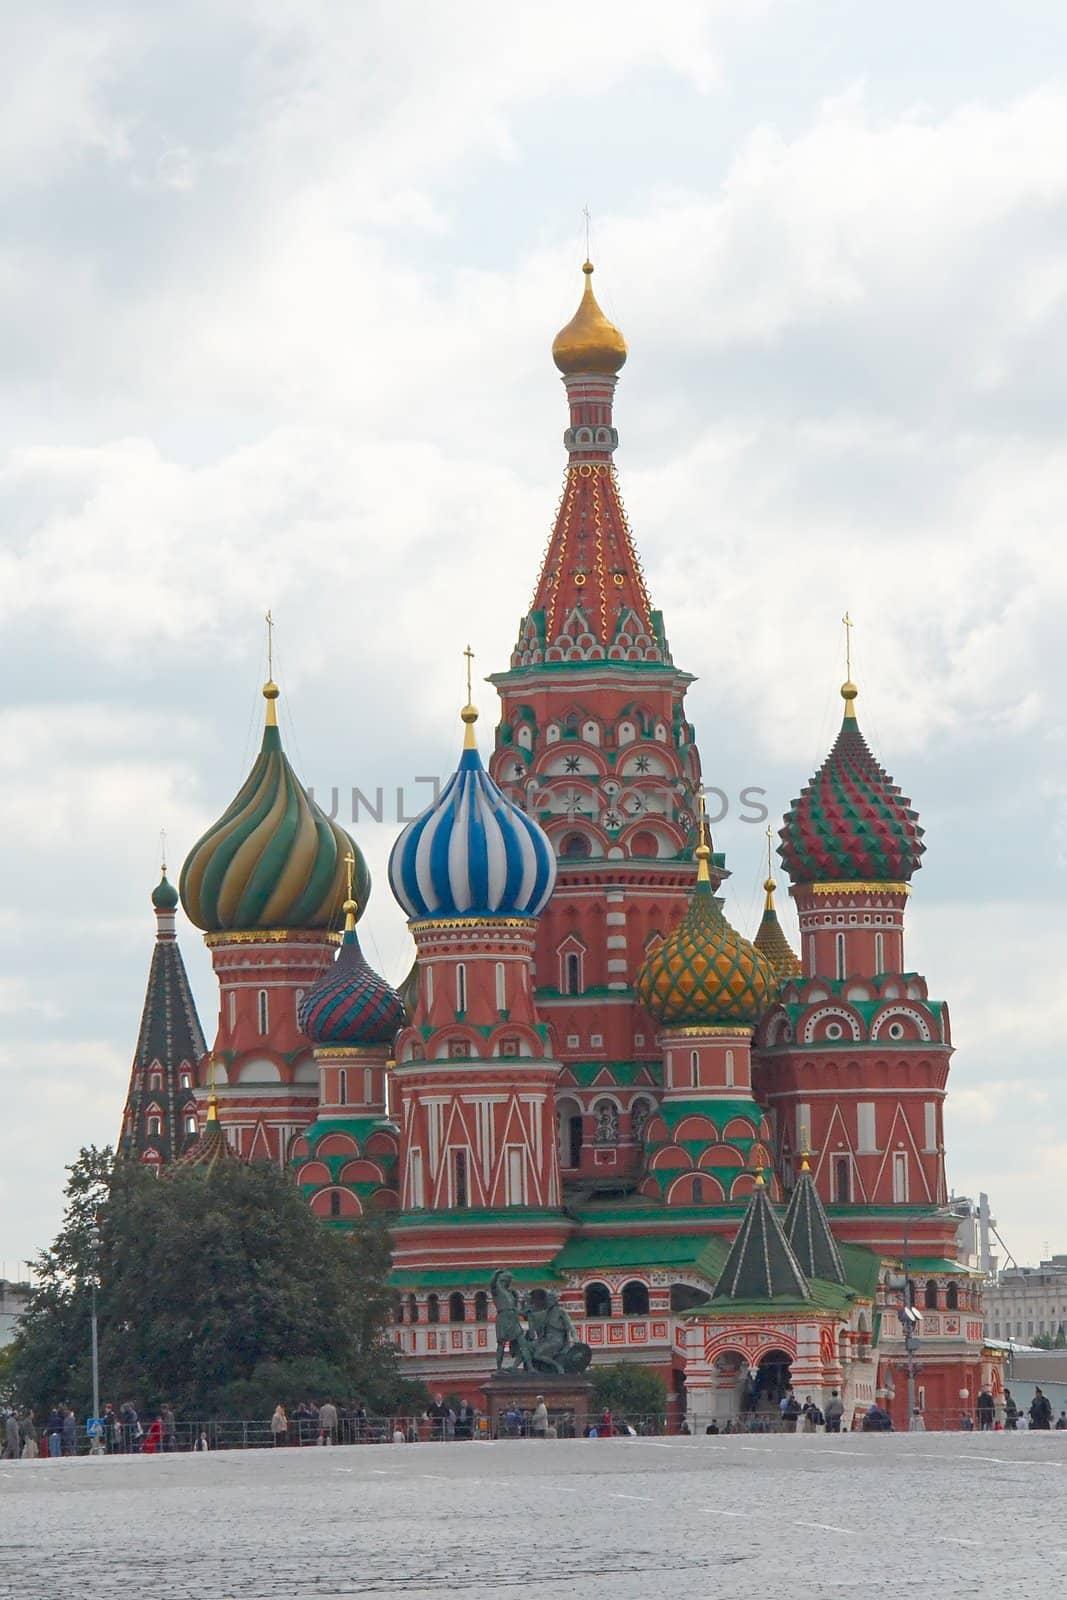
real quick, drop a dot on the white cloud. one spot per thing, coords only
(276, 342)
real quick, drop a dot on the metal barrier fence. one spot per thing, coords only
(258, 1434)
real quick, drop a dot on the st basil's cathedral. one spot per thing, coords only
(726, 1158)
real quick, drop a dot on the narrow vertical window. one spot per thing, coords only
(459, 1179)
(415, 1184)
(232, 1006)
(930, 1119)
(900, 1177)
(572, 974)
(335, 1204)
(839, 947)
(501, 988)
(342, 1087)
(842, 1180)
(461, 987)
(729, 1069)
(879, 952)
(429, 987)
(263, 1013)
(694, 1069)
(811, 955)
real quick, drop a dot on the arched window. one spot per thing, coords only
(457, 1307)
(842, 1180)
(640, 1112)
(190, 1124)
(576, 847)
(572, 973)
(952, 1297)
(264, 1014)
(155, 1125)
(413, 1309)
(156, 1081)
(879, 953)
(644, 845)
(597, 1300)
(433, 1308)
(570, 723)
(930, 1297)
(481, 1306)
(335, 1203)
(461, 987)
(839, 946)
(635, 1299)
(501, 987)
(186, 1081)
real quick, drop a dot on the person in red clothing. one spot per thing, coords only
(153, 1438)
(605, 1427)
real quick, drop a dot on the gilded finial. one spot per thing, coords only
(469, 714)
(350, 906)
(848, 688)
(703, 849)
(805, 1165)
(212, 1097)
(760, 1183)
(589, 344)
(768, 882)
(270, 688)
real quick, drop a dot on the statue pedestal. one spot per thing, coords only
(567, 1399)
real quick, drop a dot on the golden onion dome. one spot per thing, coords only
(589, 342)
(705, 974)
(274, 859)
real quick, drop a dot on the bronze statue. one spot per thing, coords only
(510, 1332)
(549, 1342)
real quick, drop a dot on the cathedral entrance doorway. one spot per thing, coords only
(769, 1384)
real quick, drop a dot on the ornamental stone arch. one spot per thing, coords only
(902, 1024)
(831, 1024)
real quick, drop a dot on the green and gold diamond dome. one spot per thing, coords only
(705, 974)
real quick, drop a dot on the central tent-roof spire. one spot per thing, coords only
(591, 602)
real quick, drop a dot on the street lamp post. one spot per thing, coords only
(96, 1445)
(909, 1319)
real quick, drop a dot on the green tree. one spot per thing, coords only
(219, 1291)
(628, 1391)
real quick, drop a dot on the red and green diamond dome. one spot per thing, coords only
(851, 824)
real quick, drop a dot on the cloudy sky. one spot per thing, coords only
(278, 283)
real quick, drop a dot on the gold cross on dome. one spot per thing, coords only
(163, 849)
(269, 620)
(849, 625)
(469, 653)
(770, 836)
(350, 867)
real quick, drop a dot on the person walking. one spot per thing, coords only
(132, 1432)
(1061, 1421)
(1011, 1412)
(916, 1423)
(170, 1427)
(53, 1432)
(28, 1429)
(1040, 1410)
(70, 1431)
(437, 1412)
(279, 1425)
(539, 1421)
(12, 1438)
(985, 1411)
(835, 1410)
(328, 1423)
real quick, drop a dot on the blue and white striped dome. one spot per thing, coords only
(472, 853)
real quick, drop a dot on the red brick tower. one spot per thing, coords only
(593, 741)
(475, 1072)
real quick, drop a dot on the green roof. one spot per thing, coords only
(808, 1231)
(703, 1253)
(718, 1112)
(862, 1269)
(457, 1278)
(938, 1264)
(761, 1265)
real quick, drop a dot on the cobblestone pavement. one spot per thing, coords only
(950, 1515)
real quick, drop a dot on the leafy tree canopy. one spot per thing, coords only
(218, 1292)
(628, 1391)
